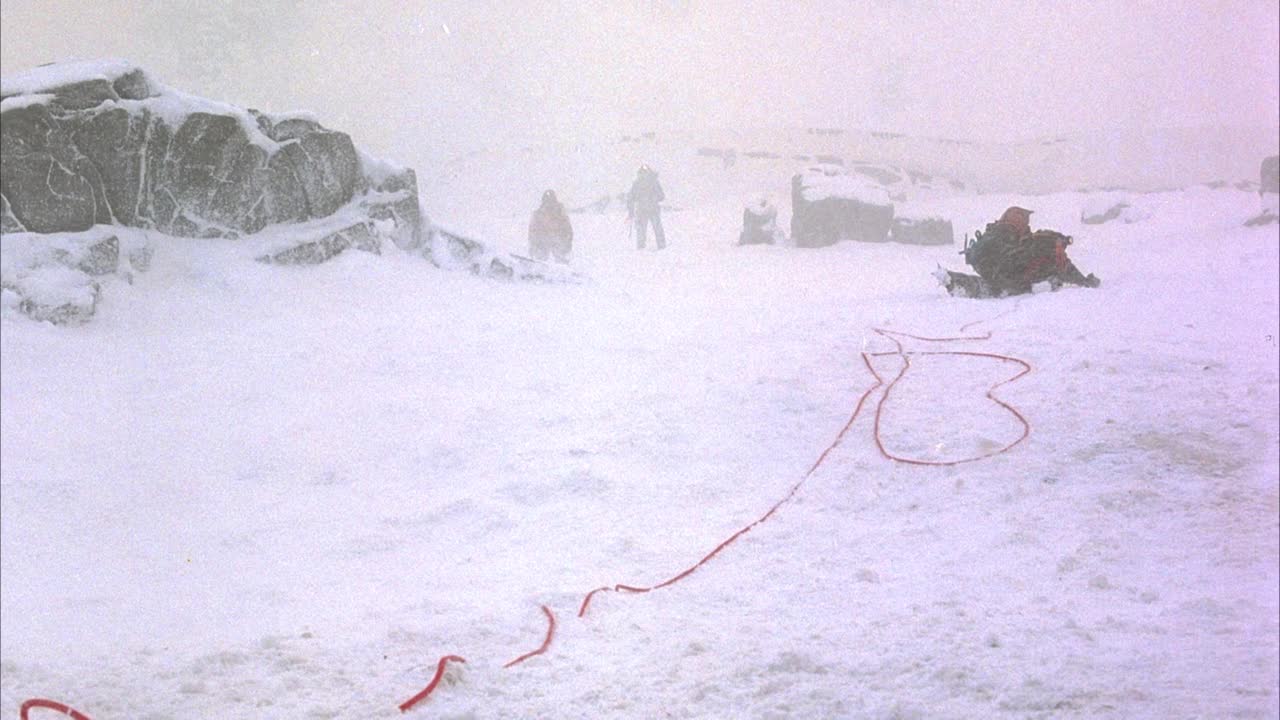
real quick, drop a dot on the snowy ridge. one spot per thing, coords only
(18, 102)
(36, 86)
(1143, 160)
(54, 75)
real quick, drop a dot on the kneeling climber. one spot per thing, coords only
(1010, 259)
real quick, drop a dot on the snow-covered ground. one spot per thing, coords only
(245, 491)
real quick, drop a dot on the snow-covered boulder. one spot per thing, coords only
(829, 205)
(1269, 175)
(918, 226)
(456, 251)
(361, 236)
(58, 277)
(92, 143)
(599, 205)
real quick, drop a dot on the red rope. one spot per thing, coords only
(586, 601)
(546, 642)
(49, 705)
(431, 686)
(890, 335)
(906, 365)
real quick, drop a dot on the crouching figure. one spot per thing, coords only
(550, 234)
(1010, 259)
(760, 224)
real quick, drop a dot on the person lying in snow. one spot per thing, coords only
(1010, 259)
(549, 230)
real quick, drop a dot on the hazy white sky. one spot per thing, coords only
(446, 75)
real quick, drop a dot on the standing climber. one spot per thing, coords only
(549, 230)
(643, 206)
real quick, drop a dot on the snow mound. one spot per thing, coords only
(58, 277)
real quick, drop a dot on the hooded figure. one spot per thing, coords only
(1018, 219)
(759, 223)
(643, 201)
(550, 233)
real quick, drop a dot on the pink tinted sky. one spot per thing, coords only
(461, 72)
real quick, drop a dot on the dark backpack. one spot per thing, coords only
(988, 252)
(1012, 264)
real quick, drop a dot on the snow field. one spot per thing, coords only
(245, 491)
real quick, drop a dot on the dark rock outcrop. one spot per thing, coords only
(98, 158)
(1269, 175)
(87, 144)
(361, 236)
(922, 231)
(828, 206)
(1266, 217)
(8, 222)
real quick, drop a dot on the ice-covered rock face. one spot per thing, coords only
(93, 143)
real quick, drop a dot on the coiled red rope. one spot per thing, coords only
(24, 711)
(892, 336)
(906, 365)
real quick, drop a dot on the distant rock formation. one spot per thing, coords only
(1105, 207)
(1101, 210)
(727, 156)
